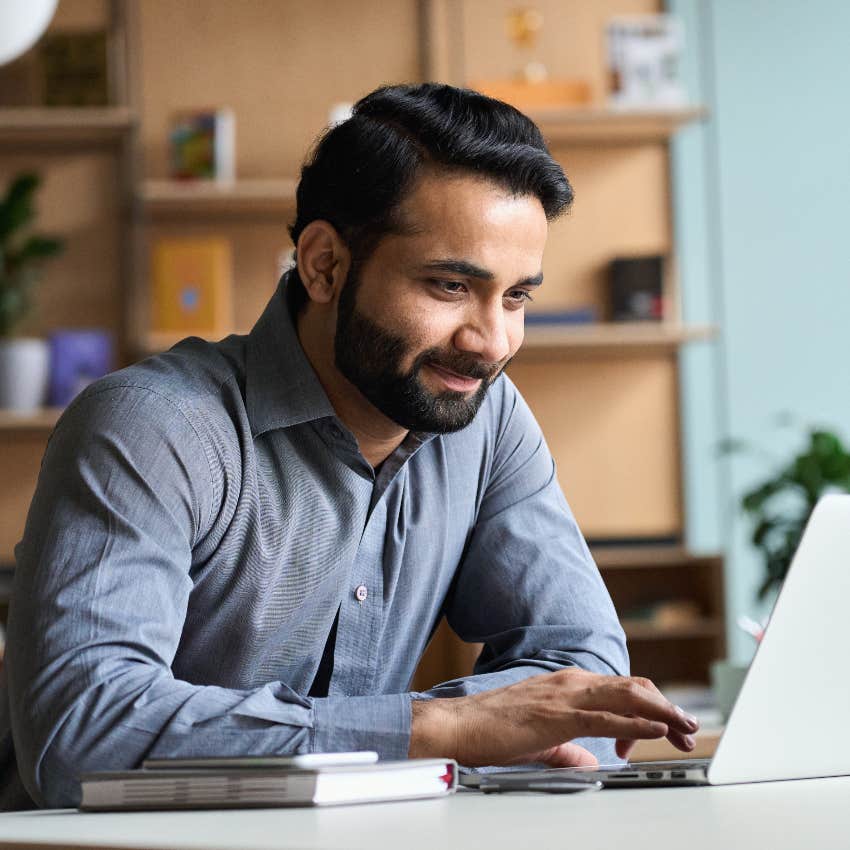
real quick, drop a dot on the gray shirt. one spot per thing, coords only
(200, 519)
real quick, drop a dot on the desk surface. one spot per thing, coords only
(778, 815)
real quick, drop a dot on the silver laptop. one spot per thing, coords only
(789, 719)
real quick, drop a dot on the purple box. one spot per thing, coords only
(77, 357)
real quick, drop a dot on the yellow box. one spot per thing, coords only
(191, 287)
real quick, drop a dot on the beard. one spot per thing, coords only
(368, 356)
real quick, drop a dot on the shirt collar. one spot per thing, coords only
(281, 388)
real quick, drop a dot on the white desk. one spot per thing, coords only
(778, 815)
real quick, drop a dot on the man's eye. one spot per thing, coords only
(520, 295)
(453, 287)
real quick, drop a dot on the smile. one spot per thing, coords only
(453, 381)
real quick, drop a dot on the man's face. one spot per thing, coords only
(433, 316)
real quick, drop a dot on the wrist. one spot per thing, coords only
(434, 728)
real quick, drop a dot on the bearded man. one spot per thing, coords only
(244, 547)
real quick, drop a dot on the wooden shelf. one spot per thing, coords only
(171, 198)
(156, 342)
(708, 627)
(610, 337)
(39, 420)
(59, 126)
(649, 557)
(607, 125)
(545, 340)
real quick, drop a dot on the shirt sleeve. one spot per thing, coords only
(126, 491)
(528, 588)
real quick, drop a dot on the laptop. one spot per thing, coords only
(790, 716)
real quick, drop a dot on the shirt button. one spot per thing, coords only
(361, 593)
(336, 432)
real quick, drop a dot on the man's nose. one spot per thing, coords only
(485, 333)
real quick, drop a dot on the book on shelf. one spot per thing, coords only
(577, 316)
(191, 286)
(203, 145)
(267, 786)
(75, 68)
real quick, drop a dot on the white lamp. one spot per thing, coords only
(21, 24)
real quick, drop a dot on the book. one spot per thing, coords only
(259, 787)
(191, 288)
(203, 145)
(75, 68)
(644, 61)
(304, 760)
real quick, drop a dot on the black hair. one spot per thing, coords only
(361, 170)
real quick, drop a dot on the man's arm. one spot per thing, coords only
(127, 489)
(529, 590)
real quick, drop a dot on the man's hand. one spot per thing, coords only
(534, 720)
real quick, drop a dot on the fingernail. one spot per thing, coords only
(690, 743)
(688, 718)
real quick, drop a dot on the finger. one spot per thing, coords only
(623, 748)
(570, 755)
(691, 721)
(686, 743)
(681, 740)
(627, 696)
(607, 724)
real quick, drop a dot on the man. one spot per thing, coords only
(243, 547)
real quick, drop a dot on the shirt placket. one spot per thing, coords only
(361, 612)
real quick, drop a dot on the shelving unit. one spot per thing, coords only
(62, 128)
(638, 575)
(169, 198)
(544, 340)
(579, 380)
(610, 126)
(39, 420)
(705, 627)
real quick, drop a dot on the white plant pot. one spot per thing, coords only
(24, 373)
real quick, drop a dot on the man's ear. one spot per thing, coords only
(323, 261)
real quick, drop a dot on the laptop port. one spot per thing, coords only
(655, 774)
(678, 774)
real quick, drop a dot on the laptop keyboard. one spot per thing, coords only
(663, 765)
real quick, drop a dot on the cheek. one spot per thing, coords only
(515, 329)
(422, 331)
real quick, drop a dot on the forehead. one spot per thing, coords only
(459, 215)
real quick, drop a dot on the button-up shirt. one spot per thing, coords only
(201, 520)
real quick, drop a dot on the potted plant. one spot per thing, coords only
(780, 506)
(778, 509)
(23, 361)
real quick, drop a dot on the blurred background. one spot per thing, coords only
(684, 356)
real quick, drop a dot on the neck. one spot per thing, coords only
(377, 436)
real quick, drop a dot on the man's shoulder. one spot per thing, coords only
(197, 381)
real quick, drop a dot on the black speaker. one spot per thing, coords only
(636, 289)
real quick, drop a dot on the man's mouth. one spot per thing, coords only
(453, 380)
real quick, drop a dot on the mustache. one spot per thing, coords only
(466, 367)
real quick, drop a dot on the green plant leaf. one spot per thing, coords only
(762, 530)
(754, 499)
(39, 248)
(16, 208)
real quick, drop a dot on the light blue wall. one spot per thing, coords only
(762, 216)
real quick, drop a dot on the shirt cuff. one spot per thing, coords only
(347, 724)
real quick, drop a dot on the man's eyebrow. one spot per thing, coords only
(462, 267)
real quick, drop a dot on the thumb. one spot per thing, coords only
(569, 755)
